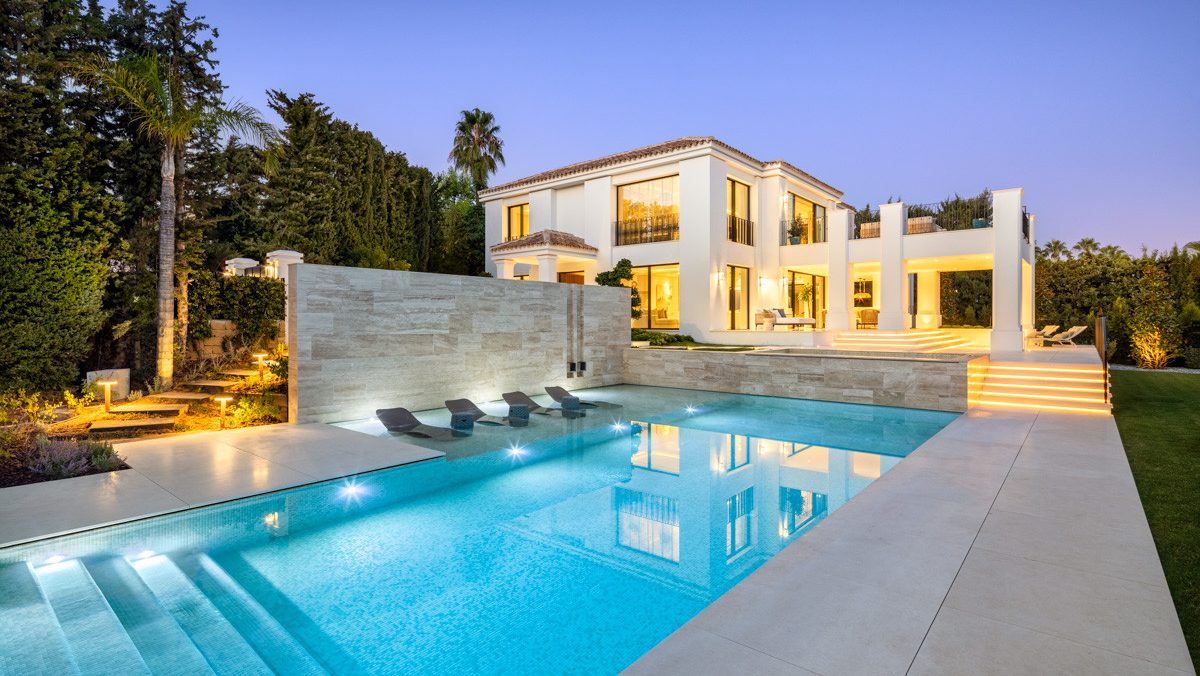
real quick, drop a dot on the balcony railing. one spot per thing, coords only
(740, 230)
(645, 230)
(797, 231)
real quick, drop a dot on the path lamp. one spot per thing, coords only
(260, 356)
(223, 400)
(107, 385)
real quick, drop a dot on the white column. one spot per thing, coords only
(893, 299)
(547, 267)
(1008, 334)
(493, 217)
(504, 268)
(598, 220)
(929, 300)
(840, 287)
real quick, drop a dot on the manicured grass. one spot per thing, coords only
(1159, 418)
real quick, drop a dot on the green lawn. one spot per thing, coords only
(1159, 418)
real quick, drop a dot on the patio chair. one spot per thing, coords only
(1066, 337)
(868, 317)
(521, 399)
(402, 421)
(466, 407)
(1047, 331)
(559, 394)
(781, 319)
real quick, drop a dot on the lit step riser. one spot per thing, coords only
(1001, 377)
(931, 343)
(999, 387)
(1046, 398)
(1042, 407)
(1036, 369)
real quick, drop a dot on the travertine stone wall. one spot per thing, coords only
(362, 339)
(938, 384)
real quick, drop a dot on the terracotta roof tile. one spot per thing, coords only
(544, 238)
(685, 143)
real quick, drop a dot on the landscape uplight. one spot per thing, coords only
(223, 400)
(260, 356)
(107, 385)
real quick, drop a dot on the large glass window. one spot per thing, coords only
(658, 285)
(656, 448)
(738, 280)
(518, 222)
(807, 296)
(648, 211)
(737, 211)
(648, 523)
(740, 520)
(806, 221)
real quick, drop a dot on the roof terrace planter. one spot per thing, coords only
(646, 230)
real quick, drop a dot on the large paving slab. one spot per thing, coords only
(171, 473)
(1010, 542)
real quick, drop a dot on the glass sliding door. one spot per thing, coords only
(518, 222)
(738, 279)
(806, 294)
(658, 285)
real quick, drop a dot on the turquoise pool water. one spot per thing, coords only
(570, 546)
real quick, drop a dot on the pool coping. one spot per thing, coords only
(177, 473)
(1008, 542)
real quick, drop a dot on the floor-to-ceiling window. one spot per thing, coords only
(807, 296)
(518, 222)
(806, 221)
(648, 211)
(738, 280)
(658, 285)
(737, 212)
(739, 522)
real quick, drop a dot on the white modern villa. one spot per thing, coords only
(720, 240)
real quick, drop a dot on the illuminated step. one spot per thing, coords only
(1043, 407)
(1055, 368)
(986, 393)
(1096, 389)
(1052, 378)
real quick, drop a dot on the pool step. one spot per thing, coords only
(98, 641)
(262, 631)
(208, 628)
(23, 604)
(164, 645)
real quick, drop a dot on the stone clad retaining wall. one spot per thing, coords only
(937, 382)
(361, 339)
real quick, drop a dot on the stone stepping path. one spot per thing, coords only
(240, 373)
(133, 425)
(181, 395)
(211, 385)
(152, 408)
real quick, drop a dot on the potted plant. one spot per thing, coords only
(795, 230)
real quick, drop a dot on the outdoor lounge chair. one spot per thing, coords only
(1047, 331)
(468, 408)
(402, 421)
(558, 394)
(781, 319)
(521, 399)
(1066, 337)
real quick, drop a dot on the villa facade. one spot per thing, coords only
(719, 239)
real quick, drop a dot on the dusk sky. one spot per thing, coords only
(1093, 108)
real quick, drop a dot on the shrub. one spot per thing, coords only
(659, 338)
(254, 304)
(255, 411)
(1150, 350)
(621, 273)
(1191, 357)
(104, 457)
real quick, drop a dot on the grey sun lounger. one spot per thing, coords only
(468, 407)
(522, 399)
(558, 394)
(402, 421)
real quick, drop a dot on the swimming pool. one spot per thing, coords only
(568, 546)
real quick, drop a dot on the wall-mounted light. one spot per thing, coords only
(721, 277)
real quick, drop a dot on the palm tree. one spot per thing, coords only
(478, 150)
(164, 115)
(1056, 250)
(1113, 252)
(1087, 246)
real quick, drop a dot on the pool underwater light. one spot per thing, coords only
(690, 410)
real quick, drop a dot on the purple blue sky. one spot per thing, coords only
(1093, 108)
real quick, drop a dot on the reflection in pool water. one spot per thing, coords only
(575, 552)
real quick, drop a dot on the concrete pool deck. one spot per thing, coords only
(168, 474)
(1010, 542)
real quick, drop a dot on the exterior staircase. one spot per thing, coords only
(163, 409)
(924, 341)
(1079, 388)
(145, 614)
